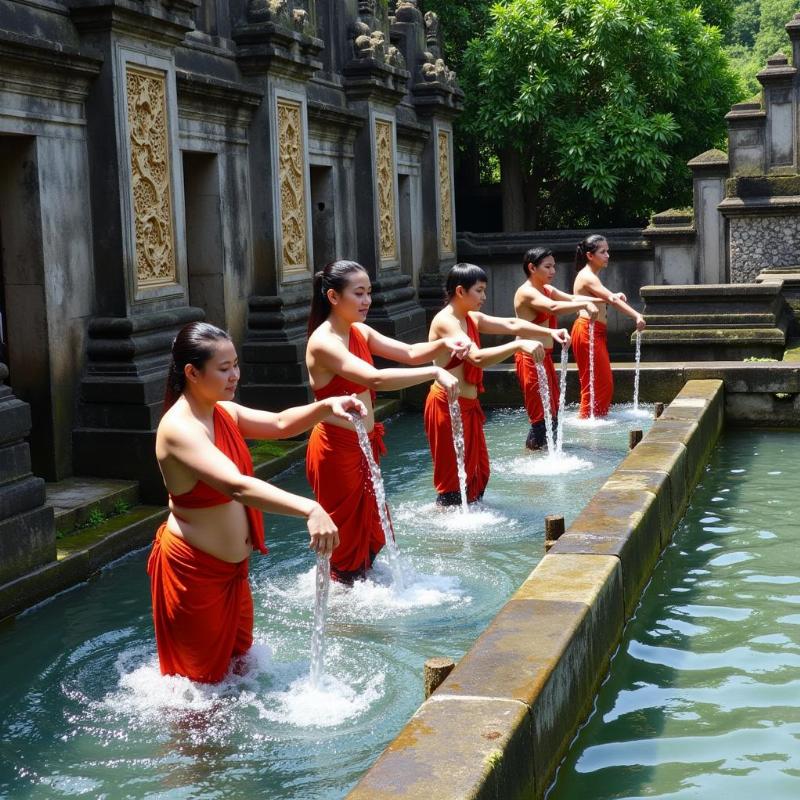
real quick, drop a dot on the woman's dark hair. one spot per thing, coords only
(588, 245)
(194, 344)
(466, 275)
(333, 276)
(535, 256)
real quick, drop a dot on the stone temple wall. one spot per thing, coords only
(758, 243)
(171, 160)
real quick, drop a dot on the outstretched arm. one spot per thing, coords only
(519, 327)
(256, 424)
(417, 353)
(619, 301)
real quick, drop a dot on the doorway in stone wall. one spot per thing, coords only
(205, 252)
(24, 297)
(3, 330)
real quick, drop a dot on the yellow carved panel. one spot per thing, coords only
(150, 176)
(447, 245)
(384, 164)
(291, 176)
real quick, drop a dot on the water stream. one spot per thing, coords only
(379, 491)
(562, 395)
(457, 427)
(636, 373)
(544, 394)
(323, 584)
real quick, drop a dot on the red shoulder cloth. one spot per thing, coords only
(340, 385)
(472, 374)
(229, 441)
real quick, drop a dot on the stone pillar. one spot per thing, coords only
(709, 172)
(777, 80)
(27, 529)
(278, 50)
(141, 290)
(673, 234)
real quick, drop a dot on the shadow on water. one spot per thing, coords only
(684, 711)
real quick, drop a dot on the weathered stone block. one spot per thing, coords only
(27, 541)
(455, 748)
(15, 461)
(549, 648)
(21, 495)
(15, 419)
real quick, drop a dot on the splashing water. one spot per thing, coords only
(380, 500)
(320, 607)
(544, 393)
(636, 374)
(458, 442)
(591, 370)
(562, 388)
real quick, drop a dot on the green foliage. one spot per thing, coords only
(94, 517)
(603, 100)
(462, 20)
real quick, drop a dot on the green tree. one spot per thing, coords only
(594, 106)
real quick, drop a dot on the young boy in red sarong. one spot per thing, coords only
(465, 293)
(591, 258)
(538, 301)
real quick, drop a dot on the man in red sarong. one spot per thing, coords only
(465, 291)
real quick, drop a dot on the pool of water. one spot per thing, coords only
(84, 711)
(703, 700)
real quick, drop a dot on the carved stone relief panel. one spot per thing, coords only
(150, 176)
(291, 177)
(385, 177)
(446, 243)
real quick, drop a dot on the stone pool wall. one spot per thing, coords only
(502, 721)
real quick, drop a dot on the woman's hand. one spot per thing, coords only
(592, 310)
(459, 346)
(347, 405)
(615, 298)
(533, 348)
(561, 335)
(640, 323)
(448, 382)
(324, 535)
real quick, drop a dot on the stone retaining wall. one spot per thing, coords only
(502, 721)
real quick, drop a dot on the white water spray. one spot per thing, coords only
(591, 370)
(458, 442)
(544, 393)
(380, 499)
(636, 374)
(320, 609)
(562, 388)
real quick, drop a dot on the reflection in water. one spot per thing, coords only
(702, 701)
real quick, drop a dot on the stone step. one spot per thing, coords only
(77, 500)
(727, 320)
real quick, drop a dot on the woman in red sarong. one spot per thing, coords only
(465, 293)
(591, 258)
(202, 606)
(537, 300)
(339, 360)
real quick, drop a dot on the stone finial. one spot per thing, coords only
(432, 39)
(280, 12)
(366, 8)
(777, 60)
(394, 58)
(434, 70)
(408, 11)
(368, 43)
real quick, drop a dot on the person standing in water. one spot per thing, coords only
(339, 360)
(465, 293)
(539, 302)
(591, 258)
(198, 564)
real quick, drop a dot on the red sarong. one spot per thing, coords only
(440, 437)
(603, 376)
(528, 377)
(339, 475)
(202, 608)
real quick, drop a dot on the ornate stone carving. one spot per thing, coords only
(291, 178)
(280, 12)
(408, 11)
(385, 174)
(432, 39)
(446, 243)
(434, 70)
(150, 176)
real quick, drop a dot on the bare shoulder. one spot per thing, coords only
(231, 408)
(444, 324)
(177, 427)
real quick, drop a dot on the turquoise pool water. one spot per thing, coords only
(84, 712)
(703, 699)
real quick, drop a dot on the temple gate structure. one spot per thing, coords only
(163, 161)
